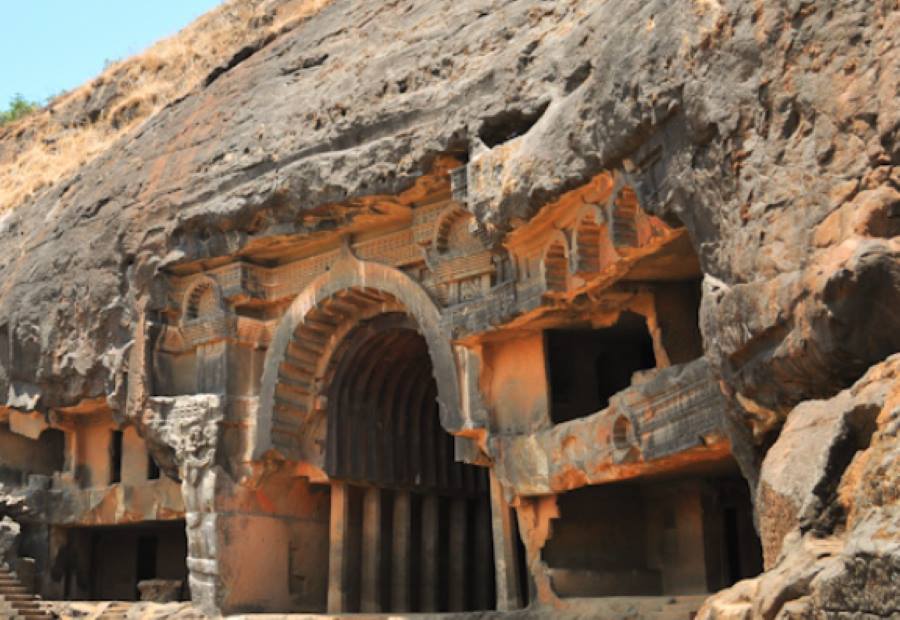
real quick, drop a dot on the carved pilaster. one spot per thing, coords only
(190, 426)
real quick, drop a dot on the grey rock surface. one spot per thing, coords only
(750, 124)
(829, 510)
(769, 129)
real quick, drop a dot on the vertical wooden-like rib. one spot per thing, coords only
(444, 452)
(366, 401)
(359, 405)
(483, 560)
(400, 577)
(429, 443)
(401, 420)
(459, 549)
(429, 561)
(388, 414)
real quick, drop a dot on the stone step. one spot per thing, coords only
(21, 597)
(13, 594)
(35, 615)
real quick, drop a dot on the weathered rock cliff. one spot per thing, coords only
(769, 129)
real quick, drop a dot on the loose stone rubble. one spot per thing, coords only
(501, 308)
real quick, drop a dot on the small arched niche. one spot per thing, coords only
(555, 266)
(202, 300)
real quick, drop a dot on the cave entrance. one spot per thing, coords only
(410, 527)
(107, 563)
(586, 367)
(684, 534)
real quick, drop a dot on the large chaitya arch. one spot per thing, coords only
(349, 291)
(360, 382)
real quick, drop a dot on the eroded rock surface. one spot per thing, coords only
(768, 129)
(829, 509)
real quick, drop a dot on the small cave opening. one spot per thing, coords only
(683, 534)
(108, 563)
(677, 316)
(588, 366)
(509, 124)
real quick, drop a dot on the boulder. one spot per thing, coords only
(160, 590)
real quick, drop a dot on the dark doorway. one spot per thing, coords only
(115, 457)
(106, 563)
(417, 519)
(146, 558)
(678, 535)
(152, 468)
(587, 367)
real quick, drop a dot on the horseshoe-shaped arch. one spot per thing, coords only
(290, 418)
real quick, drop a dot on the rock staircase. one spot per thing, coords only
(16, 602)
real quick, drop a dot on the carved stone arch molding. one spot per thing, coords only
(292, 414)
(455, 233)
(202, 300)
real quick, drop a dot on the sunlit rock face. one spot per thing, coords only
(474, 271)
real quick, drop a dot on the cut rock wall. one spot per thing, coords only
(768, 129)
(829, 510)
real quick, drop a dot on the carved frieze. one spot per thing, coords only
(590, 237)
(190, 426)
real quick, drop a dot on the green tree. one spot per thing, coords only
(18, 107)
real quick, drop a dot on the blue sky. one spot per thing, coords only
(52, 45)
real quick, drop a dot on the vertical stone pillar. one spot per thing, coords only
(459, 550)
(401, 548)
(190, 426)
(430, 549)
(370, 594)
(337, 539)
(483, 558)
(508, 595)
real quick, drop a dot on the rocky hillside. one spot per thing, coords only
(769, 129)
(51, 144)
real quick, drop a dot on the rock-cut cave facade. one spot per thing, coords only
(557, 306)
(399, 413)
